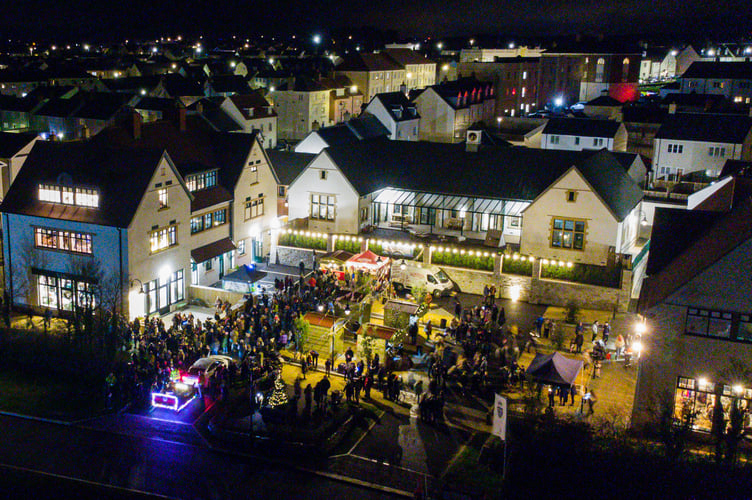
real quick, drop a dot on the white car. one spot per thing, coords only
(206, 366)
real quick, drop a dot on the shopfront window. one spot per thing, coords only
(695, 402)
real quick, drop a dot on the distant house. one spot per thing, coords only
(397, 114)
(603, 107)
(447, 110)
(354, 130)
(253, 112)
(694, 142)
(373, 73)
(226, 86)
(581, 133)
(730, 79)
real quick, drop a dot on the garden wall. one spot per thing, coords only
(209, 294)
(562, 293)
(472, 281)
(291, 256)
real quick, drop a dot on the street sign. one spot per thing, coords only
(499, 427)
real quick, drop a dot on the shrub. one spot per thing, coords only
(522, 267)
(584, 273)
(348, 246)
(572, 311)
(301, 241)
(463, 260)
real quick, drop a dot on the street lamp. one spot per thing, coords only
(498, 120)
(141, 291)
(317, 39)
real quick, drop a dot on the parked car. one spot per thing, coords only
(207, 367)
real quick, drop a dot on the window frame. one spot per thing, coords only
(563, 231)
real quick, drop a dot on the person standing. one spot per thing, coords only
(591, 402)
(606, 332)
(572, 394)
(551, 396)
(595, 330)
(315, 360)
(303, 366)
(328, 367)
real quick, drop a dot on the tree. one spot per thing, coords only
(365, 348)
(302, 327)
(278, 398)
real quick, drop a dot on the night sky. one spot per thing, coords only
(115, 19)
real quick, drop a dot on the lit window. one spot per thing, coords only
(254, 208)
(202, 180)
(66, 241)
(241, 247)
(566, 233)
(163, 198)
(322, 207)
(82, 197)
(165, 237)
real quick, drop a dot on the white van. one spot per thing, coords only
(433, 279)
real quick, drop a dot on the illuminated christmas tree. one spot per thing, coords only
(279, 394)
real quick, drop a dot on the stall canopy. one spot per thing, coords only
(367, 261)
(554, 369)
(338, 257)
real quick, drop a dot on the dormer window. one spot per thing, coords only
(67, 195)
(201, 180)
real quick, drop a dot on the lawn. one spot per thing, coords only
(468, 475)
(47, 397)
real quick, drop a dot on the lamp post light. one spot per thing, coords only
(141, 291)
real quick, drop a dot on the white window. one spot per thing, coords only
(163, 238)
(162, 198)
(322, 207)
(254, 208)
(717, 152)
(241, 247)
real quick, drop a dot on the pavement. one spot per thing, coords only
(155, 465)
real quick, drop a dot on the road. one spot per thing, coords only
(153, 465)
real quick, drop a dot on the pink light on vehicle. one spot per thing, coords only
(168, 401)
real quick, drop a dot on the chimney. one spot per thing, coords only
(85, 132)
(672, 108)
(181, 118)
(136, 125)
(199, 108)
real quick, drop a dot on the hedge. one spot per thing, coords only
(300, 241)
(463, 260)
(348, 246)
(378, 249)
(522, 267)
(584, 273)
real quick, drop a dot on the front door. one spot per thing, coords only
(164, 297)
(221, 266)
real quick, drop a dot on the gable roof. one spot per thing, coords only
(741, 70)
(102, 105)
(724, 128)
(611, 182)
(197, 149)
(398, 106)
(403, 57)
(723, 233)
(288, 164)
(87, 164)
(11, 143)
(604, 100)
(360, 61)
(584, 127)
(496, 172)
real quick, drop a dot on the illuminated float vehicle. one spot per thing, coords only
(176, 396)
